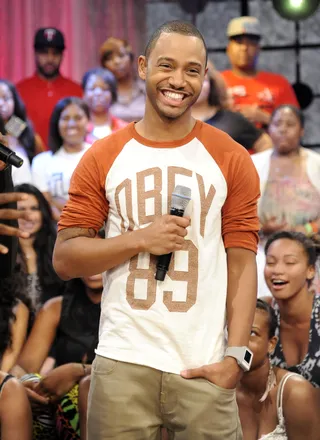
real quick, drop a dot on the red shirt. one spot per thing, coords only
(40, 97)
(267, 90)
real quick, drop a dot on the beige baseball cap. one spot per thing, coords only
(244, 26)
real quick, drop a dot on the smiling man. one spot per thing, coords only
(161, 358)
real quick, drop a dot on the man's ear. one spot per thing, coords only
(142, 67)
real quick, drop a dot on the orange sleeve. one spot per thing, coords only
(240, 221)
(286, 94)
(87, 206)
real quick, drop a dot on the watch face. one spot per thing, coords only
(247, 356)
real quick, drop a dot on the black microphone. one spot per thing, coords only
(180, 198)
(8, 156)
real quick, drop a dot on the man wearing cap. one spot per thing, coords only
(255, 93)
(47, 86)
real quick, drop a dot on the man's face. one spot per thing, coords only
(48, 61)
(174, 73)
(243, 51)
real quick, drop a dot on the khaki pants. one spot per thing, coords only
(131, 402)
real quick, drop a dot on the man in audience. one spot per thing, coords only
(47, 86)
(255, 93)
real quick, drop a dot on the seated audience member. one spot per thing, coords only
(35, 252)
(290, 268)
(14, 317)
(273, 403)
(100, 92)
(22, 174)
(15, 411)
(116, 55)
(71, 321)
(9, 215)
(52, 170)
(47, 86)
(209, 108)
(19, 128)
(289, 182)
(255, 93)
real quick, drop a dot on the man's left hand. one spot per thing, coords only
(225, 374)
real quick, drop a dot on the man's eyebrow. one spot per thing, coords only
(165, 59)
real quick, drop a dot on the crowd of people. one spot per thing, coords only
(50, 324)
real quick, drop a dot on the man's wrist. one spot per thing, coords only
(233, 367)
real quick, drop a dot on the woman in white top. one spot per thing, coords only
(289, 183)
(273, 403)
(52, 170)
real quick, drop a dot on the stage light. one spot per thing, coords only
(296, 10)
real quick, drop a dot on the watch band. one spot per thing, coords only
(242, 355)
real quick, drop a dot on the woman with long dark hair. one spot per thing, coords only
(19, 127)
(52, 170)
(14, 317)
(71, 322)
(35, 252)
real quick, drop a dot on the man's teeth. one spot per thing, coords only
(172, 95)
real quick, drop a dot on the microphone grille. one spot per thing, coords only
(180, 198)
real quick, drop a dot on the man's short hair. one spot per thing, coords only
(174, 27)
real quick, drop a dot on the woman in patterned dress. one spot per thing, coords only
(290, 268)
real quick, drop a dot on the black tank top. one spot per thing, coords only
(309, 368)
(77, 335)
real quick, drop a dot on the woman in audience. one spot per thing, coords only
(15, 411)
(274, 404)
(211, 108)
(35, 252)
(14, 317)
(22, 174)
(100, 92)
(72, 322)
(290, 268)
(289, 182)
(116, 55)
(52, 170)
(19, 128)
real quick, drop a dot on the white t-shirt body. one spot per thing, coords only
(22, 174)
(52, 172)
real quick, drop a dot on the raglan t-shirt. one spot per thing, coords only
(267, 89)
(126, 181)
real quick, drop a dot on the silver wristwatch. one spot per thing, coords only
(242, 355)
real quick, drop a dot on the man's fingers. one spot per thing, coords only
(11, 231)
(183, 222)
(12, 197)
(13, 214)
(193, 372)
(3, 250)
